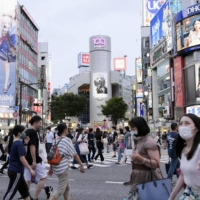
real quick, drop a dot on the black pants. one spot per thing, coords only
(99, 153)
(48, 147)
(1, 148)
(17, 183)
(93, 150)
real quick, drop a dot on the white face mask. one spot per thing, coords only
(186, 132)
(134, 134)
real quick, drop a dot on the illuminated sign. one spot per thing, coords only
(83, 59)
(153, 6)
(99, 42)
(139, 70)
(194, 110)
(119, 64)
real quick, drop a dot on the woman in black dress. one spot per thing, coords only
(99, 143)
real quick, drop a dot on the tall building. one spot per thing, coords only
(99, 83)
(18, 66)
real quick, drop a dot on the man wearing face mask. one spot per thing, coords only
(33, 158)
(175, 163)
(48, 139)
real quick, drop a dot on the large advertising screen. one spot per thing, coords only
(7, 54)
(100, 88)
(160, 26)
(188, 29)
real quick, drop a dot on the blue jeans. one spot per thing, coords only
(175, 164)
(120, 151)
(48, 147)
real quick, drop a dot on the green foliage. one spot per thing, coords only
(116, 108)
(69, 104)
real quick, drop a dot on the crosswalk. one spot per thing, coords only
(109, 161)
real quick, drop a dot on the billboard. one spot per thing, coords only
(7, 54)
(83, 59)
(197, 78)
(100, 85)
(119, 64)
(188, 29)
(139, 102)
(194, 110)
(161, 26)
(149, 9)
(138, 66)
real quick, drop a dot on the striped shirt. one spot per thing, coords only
(67, 150)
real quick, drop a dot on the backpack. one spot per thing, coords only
(54, 156)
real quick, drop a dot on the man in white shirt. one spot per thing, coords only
(48, 139)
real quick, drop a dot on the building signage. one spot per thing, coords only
(119, 63)
(160, 26)
(83, 59)
(138, 66)
(99, 42)
(153, 6)
(197, 78)
(141, 109)
(159, 52)
(194, 110)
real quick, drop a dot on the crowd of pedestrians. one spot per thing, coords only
(85, 146)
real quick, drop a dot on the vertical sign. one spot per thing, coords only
(138, 66)
(141, 110)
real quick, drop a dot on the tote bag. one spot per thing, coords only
(83, 147)
(155, 189)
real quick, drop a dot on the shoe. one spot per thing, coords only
(114, 156)
(48, 190)
(89, 166)
(118, 163)
(92, 161)
(34, 199)
(1, 172)
(73, 167)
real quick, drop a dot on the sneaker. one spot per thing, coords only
(89, 166)
(34, 199)
(118, 163)
(114, 156)
(48, 190)
(1, 171)
(92, 161)
(73, 167)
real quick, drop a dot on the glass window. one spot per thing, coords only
(163, 69)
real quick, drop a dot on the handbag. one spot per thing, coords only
(83, 147)
(155, 189)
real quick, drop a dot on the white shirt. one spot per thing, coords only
(190, 169)
(49, 137)
(82, 137)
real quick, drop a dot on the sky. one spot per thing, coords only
(67, 25)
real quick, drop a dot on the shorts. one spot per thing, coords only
(114, 147)
(40, 172)
(63, 186)
(17, 183)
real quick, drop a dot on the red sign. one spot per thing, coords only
(49, 86)
(179, 81)
(15, 114)
(86, 59)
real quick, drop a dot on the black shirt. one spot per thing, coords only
(34, 140)
(115, 135)
(69, 135)
(91, 139)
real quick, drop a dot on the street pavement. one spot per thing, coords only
(102, 181)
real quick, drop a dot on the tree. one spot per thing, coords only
(116, 108)
(69, 104)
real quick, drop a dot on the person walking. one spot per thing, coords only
(115, 140)
(187, 148)
(174, 163)
(121, 145)
(127, 142)
(99, 144)
(146, 153)
(66, 149)
(48, 139)
(17, 153)
(91, 145)
(33, 158)
(81, 137)
(1, 143)
(158, 138)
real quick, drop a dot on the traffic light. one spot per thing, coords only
(38, 104)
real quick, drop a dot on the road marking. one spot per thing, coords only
(113, 182)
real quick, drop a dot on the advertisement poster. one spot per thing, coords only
(138, 108)
(139, 70)
(194, 110)
(7, 54)
(100, 88)
(83, 59)
(197, 78)
(119, 64)
(188, 34)
(161, 26)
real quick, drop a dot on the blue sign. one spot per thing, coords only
(141, 109)
(15, 108)
(160, 26)
(153, 6)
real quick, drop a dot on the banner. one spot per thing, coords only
(7, 54)
(197, 78)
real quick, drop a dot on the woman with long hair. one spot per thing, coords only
(121, 146)
(99, 143)
(145, 153)
(188, 150)
(80, 137)
(17, 163)
(66, 149)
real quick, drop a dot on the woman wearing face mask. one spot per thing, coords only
(188, 150)
(145, 149)
(17, 162)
